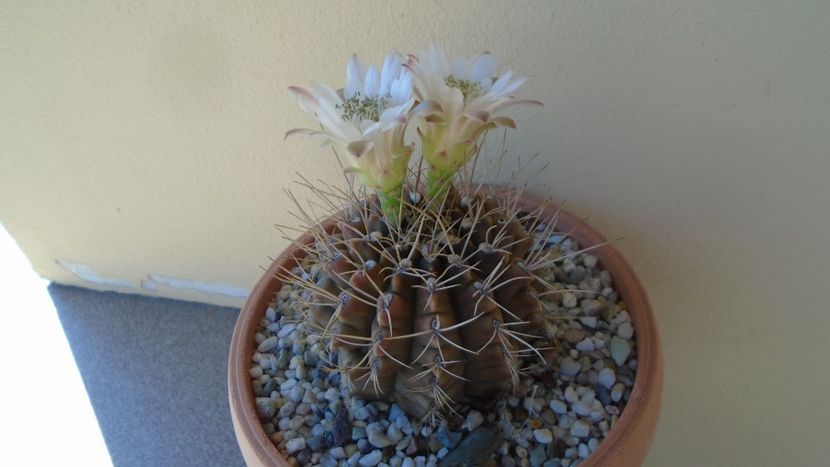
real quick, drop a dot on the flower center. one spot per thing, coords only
(358, 108)
(469, 89)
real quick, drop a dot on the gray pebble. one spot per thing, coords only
(585, 345)
(589, 261)
(581, 409)
(377, 437)
(569, 367)
(620, 350)
(625, 331)
(580, 429)
(537, 455)
(558, 406)
(294, 445)
(617, 392)
(265, 408)
(543, 436)
(287, 410)
(268, 344)
(606, 377)
(371, 459)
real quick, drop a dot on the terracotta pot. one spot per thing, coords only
(626, 444)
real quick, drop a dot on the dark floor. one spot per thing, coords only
(156, 374)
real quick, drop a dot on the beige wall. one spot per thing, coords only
(146, 138)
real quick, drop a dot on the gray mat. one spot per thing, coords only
(156, 374)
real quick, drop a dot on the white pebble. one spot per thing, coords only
(580, 429)
(571, 395)
(589, 261)
(474, 419)
(371, 459)
(581, 409)
(558, 406)
(625, 330)
(568, 300)
(294, 445)
(543, 436)
(585, 345)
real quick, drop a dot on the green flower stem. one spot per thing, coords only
(390, 203)
(438, 185)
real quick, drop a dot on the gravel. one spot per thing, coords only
(557, 418)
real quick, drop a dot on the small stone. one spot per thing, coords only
(395, 412)
(603, 394)
(394, 433)
(362, 413)
(521, 451)
(573, 336)
(265, 408)
(377, 437)
(283, 358)
(315, 443)
(341, 429)
(358, 432)
(617, 392)
(294, 445)
(580, 429)
(558, 406)
(625, 331)
(583, 450)
(568, 300)
(581, 409)
(371, 459)
(255, 371)
(297, 422)
(473, 420)
(296, 394)
(620, 350)
(287, 410)
(606, 377)
(303, 409)
(408, 462)
(537, 455)
(448, 438)
(337, 453)
(591, 308)
(569, 367)
(571, 395)
(589, 261)
(268, 344)
(585, 345)
(332, 394)
(589, 321)
(442, 452)
(543, 435)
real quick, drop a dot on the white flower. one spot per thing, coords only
(367, 120)
(458, 103)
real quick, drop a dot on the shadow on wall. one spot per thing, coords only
(156, 374)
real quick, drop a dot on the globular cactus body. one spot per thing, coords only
(433, 310)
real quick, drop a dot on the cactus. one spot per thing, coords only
(432, 298)
(433, 310)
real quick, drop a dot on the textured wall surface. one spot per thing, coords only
(145, 138)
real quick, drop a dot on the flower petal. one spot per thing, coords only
(355, 72)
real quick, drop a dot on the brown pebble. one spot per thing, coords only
(573, 336)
